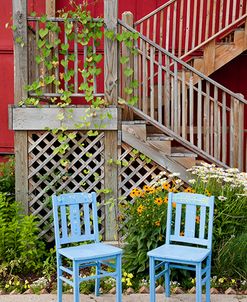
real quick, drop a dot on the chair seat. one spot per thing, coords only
(175, 253)
(90, 251)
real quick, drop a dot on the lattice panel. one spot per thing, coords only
(136, 173)
(84, 172)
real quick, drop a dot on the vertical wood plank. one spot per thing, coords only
(50, 8)
(161, 28)
(20, 80)
(216, 134)
(160, 100)
(144, 79)
(167, 93)
(184, 106)
(199, 115)
(200, 21)
(191, 106)
(224, 129)
(207, 118)
(194, 29)
(241, 136)
(152, 59)
(127, 114)
(180, 33)
(111, 176)
(188, 22)
(175, 91)
(111, 49)
(168, 22)
(174, 30)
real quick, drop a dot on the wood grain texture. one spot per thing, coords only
(111, 177)
(20, 80)
(111, 49)
(40, 118)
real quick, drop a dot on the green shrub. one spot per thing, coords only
(232, 258)
(7, 177)
(144, 222)
(21, 251)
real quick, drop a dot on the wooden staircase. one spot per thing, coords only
(186, 116)
(217, 54)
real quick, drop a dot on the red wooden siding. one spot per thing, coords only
(233, 75)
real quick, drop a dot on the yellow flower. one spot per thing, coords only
(130, 275)
(151, 190)
(157, 223)
(166, 186)
(135, 193)
(174, 190)
(188, 190)
(140, 209)
(166, 200)
(207, 193)
(146, 188)
(158, 201)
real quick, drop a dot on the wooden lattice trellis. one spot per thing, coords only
(137, 172)
(84, 172)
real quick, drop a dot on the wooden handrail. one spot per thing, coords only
(201, 114)
(184, 64)
(184, 26)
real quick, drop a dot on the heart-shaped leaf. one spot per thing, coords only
(43, 32)
(40, 43)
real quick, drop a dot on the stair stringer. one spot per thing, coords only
(160, 158)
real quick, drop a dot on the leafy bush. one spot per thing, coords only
(21, 251)
(145, 222)
(7, 177)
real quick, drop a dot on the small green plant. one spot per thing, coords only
(7, 176)
(21, 250)
(144, 220)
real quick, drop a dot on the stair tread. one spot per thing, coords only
(158, 137)
(182, 152)
(136, 122)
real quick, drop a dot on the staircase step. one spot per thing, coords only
(137, 128)
(182, 152)
(160, 142)
(158, 137)
(184, 157)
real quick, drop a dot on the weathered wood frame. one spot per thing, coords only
(24, 119)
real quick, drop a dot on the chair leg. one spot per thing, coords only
(152, 279)
(167, 279)
(76, 281)
(59, 281)
(208, 274)
(97, 280)
(198, 282)
(119, 278)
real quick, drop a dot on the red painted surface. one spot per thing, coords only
(233, 75)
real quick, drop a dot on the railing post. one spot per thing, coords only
(20, 80)
(111, 96)
(128, 19)
(237, 134)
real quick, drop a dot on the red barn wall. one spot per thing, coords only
(232, 75)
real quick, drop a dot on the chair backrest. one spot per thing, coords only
(190, 219)
(75, 218)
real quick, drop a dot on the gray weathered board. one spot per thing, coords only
(48, 117)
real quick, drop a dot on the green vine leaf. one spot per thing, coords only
(43, 32)
(124, 60)
(128, 72)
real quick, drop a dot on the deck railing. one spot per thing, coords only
(190, 106)
(184, 26)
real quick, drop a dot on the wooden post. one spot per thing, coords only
(20, 80)
(128, 19)
(111, 96)
(50, 8)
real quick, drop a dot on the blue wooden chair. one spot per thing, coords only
(76, 221)
(188, 242)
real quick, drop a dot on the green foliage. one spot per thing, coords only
(230, 216)
(21, 251)
(144, 220)
(7, 176)
(232, 257)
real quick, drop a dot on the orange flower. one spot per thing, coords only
(135, 193)
(140, 209)
(157, 223)
(197, 219)
(166, 200)
(181, 233)
(174, 204)
(158, 201)
(166, 186)
(188, 190)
